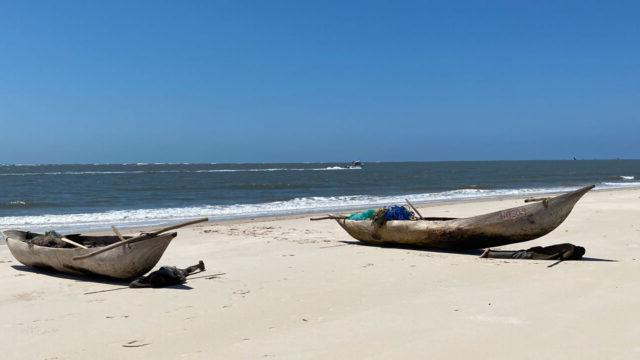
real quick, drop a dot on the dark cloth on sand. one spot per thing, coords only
(166, 276)
(553, 252)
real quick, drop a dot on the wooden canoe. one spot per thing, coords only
(504, 227)
(123, 262)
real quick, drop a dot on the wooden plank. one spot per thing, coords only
(141, 237)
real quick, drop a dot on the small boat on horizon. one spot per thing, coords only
(355, 165)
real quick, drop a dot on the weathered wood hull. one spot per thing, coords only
(504, 227)
(124, 262)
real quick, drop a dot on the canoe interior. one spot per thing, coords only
(88, 241)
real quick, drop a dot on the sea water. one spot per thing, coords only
(94, 196)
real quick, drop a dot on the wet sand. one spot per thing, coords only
(297, 289)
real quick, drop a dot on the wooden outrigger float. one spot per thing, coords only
(519, 224)
(112, 256)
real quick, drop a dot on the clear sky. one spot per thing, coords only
(269, 81)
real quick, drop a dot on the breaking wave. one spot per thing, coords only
(620, 184)
(328, 168)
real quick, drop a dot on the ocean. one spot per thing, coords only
(94, 196)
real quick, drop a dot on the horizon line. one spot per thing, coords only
(307, 162)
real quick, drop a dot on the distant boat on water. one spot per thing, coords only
(355, 165)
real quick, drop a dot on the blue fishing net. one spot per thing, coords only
(397, 212)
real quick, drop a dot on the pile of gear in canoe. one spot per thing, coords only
(51, 239)
(382, 215)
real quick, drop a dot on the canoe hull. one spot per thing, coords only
(124, 262)
(504, 227)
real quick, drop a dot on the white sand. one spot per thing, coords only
(292, 289)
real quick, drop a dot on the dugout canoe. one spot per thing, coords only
(499, 228)
(123, 262)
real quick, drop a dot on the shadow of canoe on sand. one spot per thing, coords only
(88, 278)
(475, 253)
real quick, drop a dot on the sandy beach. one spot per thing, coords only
(296, 289)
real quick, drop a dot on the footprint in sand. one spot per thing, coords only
(116, 316)
(242, 293)
(27, 296)
(135, 343)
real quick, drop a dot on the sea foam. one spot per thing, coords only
(329, 168)
(620, 184)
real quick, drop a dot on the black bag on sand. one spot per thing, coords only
(554, 252)
(166, 276)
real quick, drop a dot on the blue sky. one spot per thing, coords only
(270, 81)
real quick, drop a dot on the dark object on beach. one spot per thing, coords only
(166, 276)
(554, 252)
(499, 228)
(114, 256)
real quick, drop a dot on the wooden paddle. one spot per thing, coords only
(414, 209)
(545, 201)
(329, 216)
(536, 199)
(117, 232)
(73, 243)
(140, 237)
